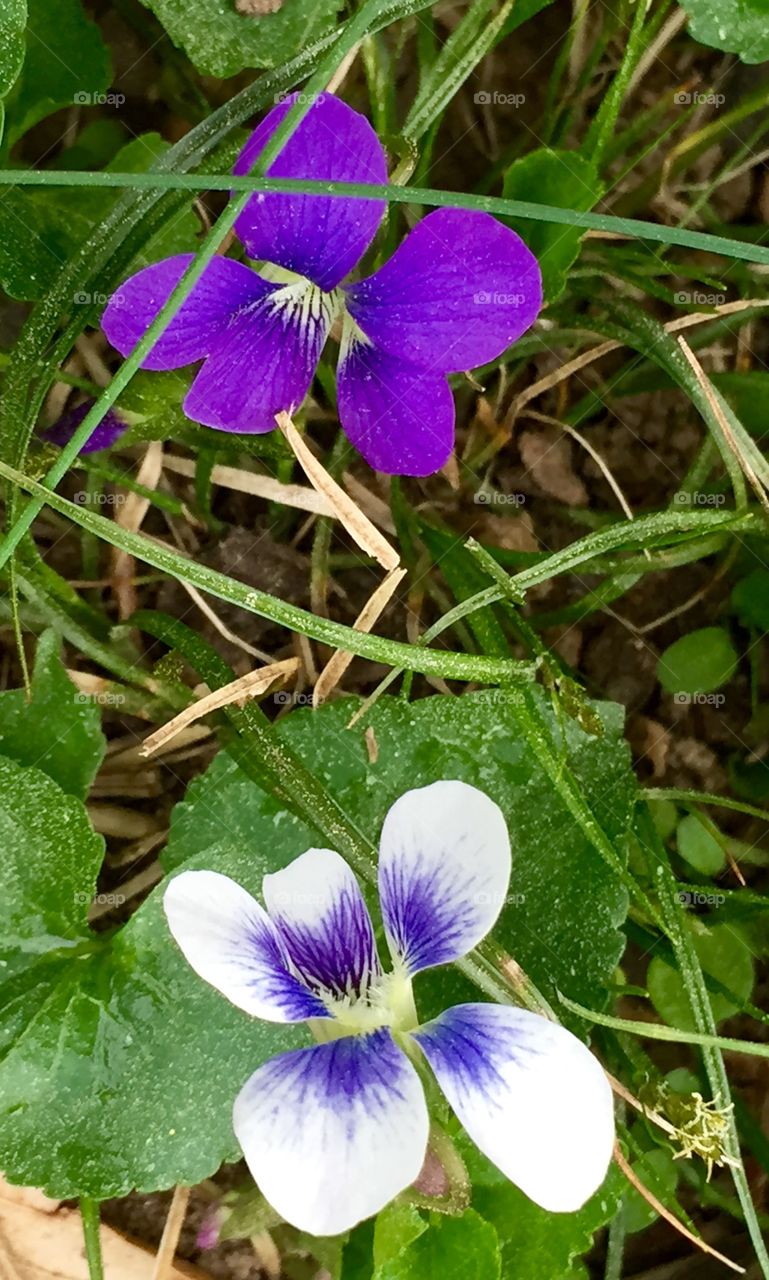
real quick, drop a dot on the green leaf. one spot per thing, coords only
(13, 20)
(59, 729)
(724, 956)
(536, 1244)
(698, 663)
(564, 905)
(221, 42)
(66, 64)
(464, 1246)
(564, 179)
(397, 1226)
(48, 871)
(119, 1066)
(41, 229)
(699, 846)
(750, 599)
(736, 26)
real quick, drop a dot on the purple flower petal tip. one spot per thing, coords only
(320, 237)
(109, 430)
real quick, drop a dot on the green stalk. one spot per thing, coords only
(89, 1212)
(452, 666)
(634, 228)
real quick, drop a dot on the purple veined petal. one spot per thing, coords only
(264, 362)
(331, 1134)
(230, 942)
(399, 417)
(224, 287)
(109, 430)
(318, 908)
(444, 868)
(455, 294)
(531, 1096)
(321, 237)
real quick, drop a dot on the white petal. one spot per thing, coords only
(530, 1095)
(331, 1134)
(230, 941)
(444, 868)
(318, 908)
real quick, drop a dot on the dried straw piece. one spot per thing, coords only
(248, 686)
(369, 614)
(359, 527)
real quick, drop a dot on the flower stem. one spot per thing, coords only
(89, 1212)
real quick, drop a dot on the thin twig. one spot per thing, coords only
(166, 1253)
(669, 1217)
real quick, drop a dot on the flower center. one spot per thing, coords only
(387, 1001)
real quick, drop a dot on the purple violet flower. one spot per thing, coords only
(456, 293)
(333, 1132)
(108, 431)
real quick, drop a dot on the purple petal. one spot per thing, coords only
(321, 237)
(531, 1096)
(264, 362)
(108, 431)
(444, 868)
(331, 1134)
(319, 911)
(456, 293)
(224, 287)
(230, 942)
(399, 417)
